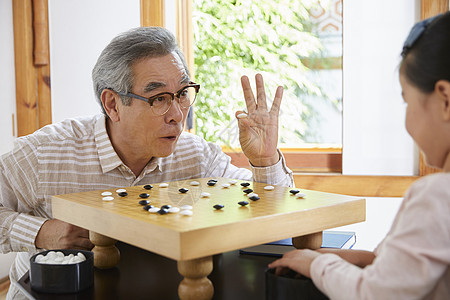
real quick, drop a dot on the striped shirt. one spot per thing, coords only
(77, 155)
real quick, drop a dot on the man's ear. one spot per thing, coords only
(110, 102)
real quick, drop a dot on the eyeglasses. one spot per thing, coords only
(416, 32)
(161, 103)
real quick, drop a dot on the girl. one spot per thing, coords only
(413, 261)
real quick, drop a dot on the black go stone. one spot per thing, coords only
(144, 195)
(243, 203)
(247, 191)
(254, 198)
(211, 183)
(183, 190)
(293, 192)
(245, 184)
(212, 180)
(147, 207)
(218, 206)
(148, 186)
(123, 194)
(167, 206)
(144, 202)
(163, 211)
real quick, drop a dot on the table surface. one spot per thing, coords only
(144, 275)
(277, 215)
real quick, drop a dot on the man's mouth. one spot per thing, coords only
(170, 137)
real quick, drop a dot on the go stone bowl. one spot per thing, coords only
(59, 278)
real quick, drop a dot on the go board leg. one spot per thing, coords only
(310, 241)
(106, 255)
(195, 285)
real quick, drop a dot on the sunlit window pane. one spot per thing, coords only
(296, 44)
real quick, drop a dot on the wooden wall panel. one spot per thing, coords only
(320, 162)
(42, 61)
(152, 13)
(32, 65)
(26, 91)
(431, 8)
(366, 186)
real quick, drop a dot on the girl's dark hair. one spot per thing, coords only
(427, 60)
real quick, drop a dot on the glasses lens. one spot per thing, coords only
(161, 103)
(187, 96)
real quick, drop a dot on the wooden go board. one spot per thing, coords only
(276, 215)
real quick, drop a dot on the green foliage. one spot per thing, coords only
(233, 38)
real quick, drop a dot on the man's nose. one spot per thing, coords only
(175, 112)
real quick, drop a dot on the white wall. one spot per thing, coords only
(170, 9)
(79, 30)
(7, 77)
(8, 98)
(375, 141)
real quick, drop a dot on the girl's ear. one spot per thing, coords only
(442, 90)
(110, 101)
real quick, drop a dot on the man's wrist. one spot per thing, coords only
(265, 162)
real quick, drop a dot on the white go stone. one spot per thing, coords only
(252, 194)
(51, 253)
(300, 195)
(58, 258)
(153, 210)
(108, 198)
(186, 212)
(187, 207)
(225, 185)
(269, 187)
(106, 194)
(232, 182)
(174, 210)
(121, 190)
(194, 183)
(205, 195)
(163, 185)
(40, 258)
(242, 116)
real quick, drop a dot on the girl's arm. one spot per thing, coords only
(360, 258)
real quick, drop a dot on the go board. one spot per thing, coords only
(278, 214)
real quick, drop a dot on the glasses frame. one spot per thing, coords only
(416, 32)
(152, 99)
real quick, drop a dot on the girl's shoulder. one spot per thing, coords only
(431, 192)
(440, 181)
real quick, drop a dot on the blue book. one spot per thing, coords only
(330, 239)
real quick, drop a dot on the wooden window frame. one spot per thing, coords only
(152, 13)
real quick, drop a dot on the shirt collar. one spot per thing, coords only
(109, 159)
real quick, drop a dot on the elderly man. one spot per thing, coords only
(142, 84)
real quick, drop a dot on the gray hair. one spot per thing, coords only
(113, 67)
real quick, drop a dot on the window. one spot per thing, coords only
(292, 43)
